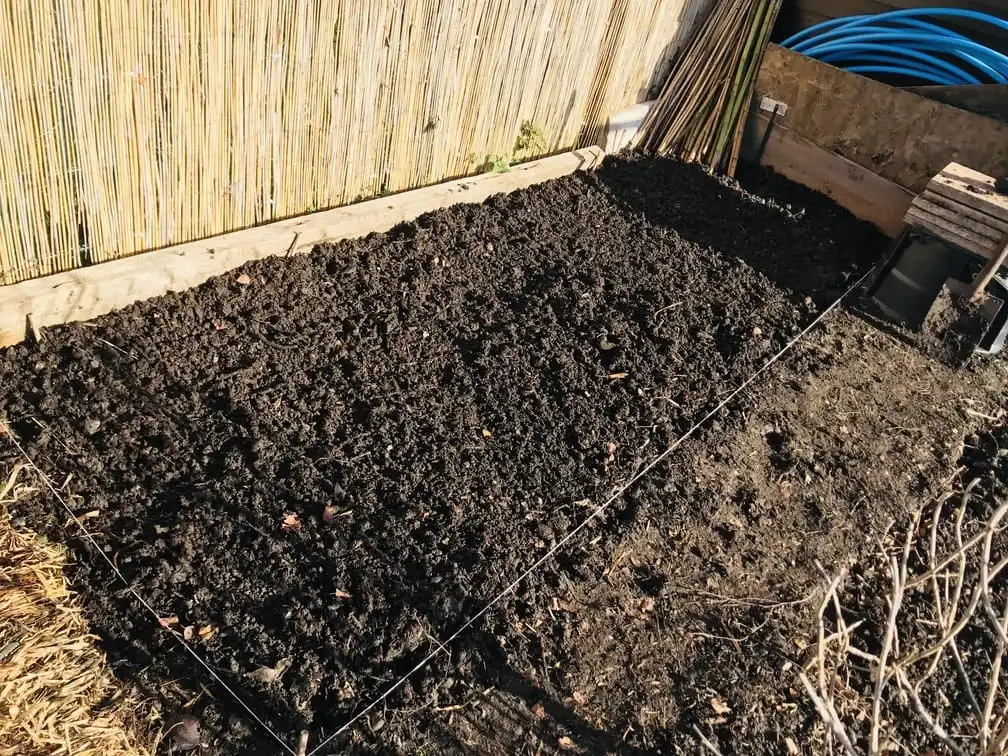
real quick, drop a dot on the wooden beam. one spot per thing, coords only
(964, 211)
(979, 285)
(899, 135)
(951, 232)
(958, 220)
(865, 194)
(86, 293)
(976, 189)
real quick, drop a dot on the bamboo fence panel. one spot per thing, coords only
(138, 124)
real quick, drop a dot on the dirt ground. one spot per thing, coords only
(321, 464)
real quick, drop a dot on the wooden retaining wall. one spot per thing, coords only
(895, 133)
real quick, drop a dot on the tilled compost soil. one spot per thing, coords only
(327, 461)
(949, 692)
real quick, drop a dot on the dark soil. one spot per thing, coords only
(954, 326)
(705, 610)
(334, 459)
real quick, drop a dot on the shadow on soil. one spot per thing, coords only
(833, 248)
(328, 385)
(517, 716)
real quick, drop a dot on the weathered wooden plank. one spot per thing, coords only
(957, 219)
(973, 195)
(901, 136)
(965, 210)
(89, 292)
(984, 277)
(989, 100)
(864, 193)
(947, 232)
(981, 185)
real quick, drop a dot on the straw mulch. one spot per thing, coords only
(57, 693)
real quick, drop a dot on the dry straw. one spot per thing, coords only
(57, 694)
(133, 125)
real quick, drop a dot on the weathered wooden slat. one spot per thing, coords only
(89, 292)
(990, 269)
(950, 233)
(980, 185)
(957, 219)
(965, 210)
(960, 192)
(989, 100)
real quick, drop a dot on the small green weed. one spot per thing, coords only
(497, 164)
(530, 140)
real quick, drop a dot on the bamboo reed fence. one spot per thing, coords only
(133, 125)
(701, 111)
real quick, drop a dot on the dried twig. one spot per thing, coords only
(707, 745)
(895, 601)
(829, 715)
(968, 570)
(995, 676)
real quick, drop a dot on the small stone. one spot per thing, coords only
(757, 331)
(185, 734)
(92, 426)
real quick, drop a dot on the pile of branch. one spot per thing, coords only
(922, 660)
(700, 114)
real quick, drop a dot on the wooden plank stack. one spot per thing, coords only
(961, 207)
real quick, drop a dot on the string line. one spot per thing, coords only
(590, 518)
(108, 560)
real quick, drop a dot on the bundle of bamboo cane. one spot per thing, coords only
(701, 111)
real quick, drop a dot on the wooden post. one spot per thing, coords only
(983, 278)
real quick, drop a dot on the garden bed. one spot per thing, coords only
(325, 462)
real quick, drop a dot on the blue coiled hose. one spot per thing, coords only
(900, 43)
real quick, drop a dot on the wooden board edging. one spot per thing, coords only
(989, 100)
(893, 132)
(86, 293)
(863, 193)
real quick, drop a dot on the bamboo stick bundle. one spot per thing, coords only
(700, 114)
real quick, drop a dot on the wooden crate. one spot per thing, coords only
(960, 206)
